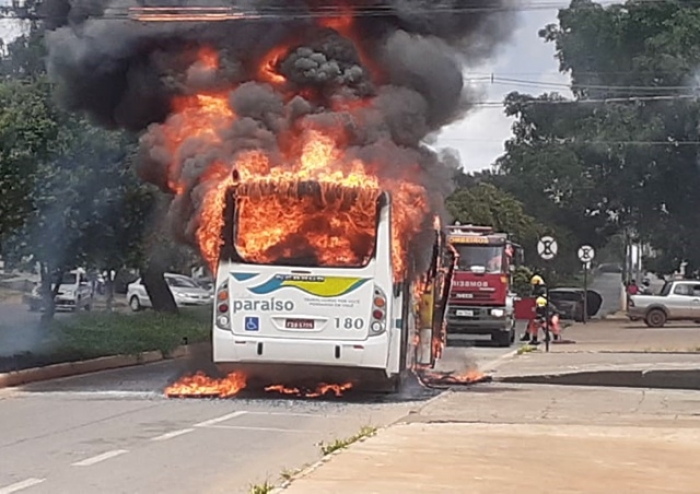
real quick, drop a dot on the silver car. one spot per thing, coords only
(677, 301)
(185, 290)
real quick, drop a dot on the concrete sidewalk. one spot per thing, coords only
(532, 439)
(527, 439)
(626, 336)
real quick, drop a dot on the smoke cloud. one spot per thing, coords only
(403, 59)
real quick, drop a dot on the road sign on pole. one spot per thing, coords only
(547, 248)
(586, 254)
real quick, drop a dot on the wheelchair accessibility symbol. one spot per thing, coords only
(252, 323)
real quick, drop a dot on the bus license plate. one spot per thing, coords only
(299, 324)
(465, 313)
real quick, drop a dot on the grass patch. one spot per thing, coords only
(338, 444)
(89, 335)
(264, 488)
(9, 294)
(287, 475)
(100, 333)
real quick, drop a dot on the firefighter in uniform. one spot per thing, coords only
(426, 305)
(542, 306)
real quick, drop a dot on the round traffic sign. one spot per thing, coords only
(547, 248)
(586, 253)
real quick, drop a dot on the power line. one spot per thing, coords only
(204, 14)
(602, 87)
(631, 99)
(564, 142)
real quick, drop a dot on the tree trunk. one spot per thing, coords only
(49, 294)
(109, 290)
(157, 289)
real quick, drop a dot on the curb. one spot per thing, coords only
(69, 369)
(687, 379)
(303, 472)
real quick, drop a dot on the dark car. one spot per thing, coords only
(610, 268)
(569, 302)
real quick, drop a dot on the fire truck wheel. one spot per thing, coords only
(503, 339)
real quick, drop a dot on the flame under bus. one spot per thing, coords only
(316, 304)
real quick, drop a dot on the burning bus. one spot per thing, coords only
(333, 301)
(309, 122)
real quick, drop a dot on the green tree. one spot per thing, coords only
(27, 126)
(605, 163)
(70, 195)
(485, 204)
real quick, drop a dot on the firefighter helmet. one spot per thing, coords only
(536, 280)
(541, 301)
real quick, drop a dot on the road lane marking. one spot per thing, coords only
(170, 435)
(97, 459)
(220, 419)
(289, 414)
(18, 486)
(265, 429)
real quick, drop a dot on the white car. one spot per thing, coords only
(185, 290)
(74, 293)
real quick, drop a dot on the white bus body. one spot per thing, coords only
(289, 323)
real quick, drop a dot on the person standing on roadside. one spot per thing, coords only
(539, 289)
(632, 288)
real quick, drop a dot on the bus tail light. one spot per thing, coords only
(223, 320)
(378, 323)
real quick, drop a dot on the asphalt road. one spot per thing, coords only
(115, 432)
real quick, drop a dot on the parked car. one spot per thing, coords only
(610, 268)
(74, 293)
(206, 283)
(678, 300)
(186, 292)
(570, 302)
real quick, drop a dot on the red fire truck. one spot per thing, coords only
(481, 300)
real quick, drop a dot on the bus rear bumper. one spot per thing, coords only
(230, 350)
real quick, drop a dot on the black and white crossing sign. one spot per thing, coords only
(547, 248)
(586, 253)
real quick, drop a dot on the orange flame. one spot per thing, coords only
(343, 22)
(268, 68)
(322, 389)
(209, 58)
(202, 385)
(195, 120)
(469, 376)
(276, 218)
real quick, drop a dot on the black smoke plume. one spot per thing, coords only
(405, 57)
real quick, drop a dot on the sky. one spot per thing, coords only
(480, 136)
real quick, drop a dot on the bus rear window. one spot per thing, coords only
(312, 230)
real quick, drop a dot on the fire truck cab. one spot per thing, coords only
(481, 300)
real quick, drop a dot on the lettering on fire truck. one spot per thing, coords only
(469, 240)
(470, 284)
